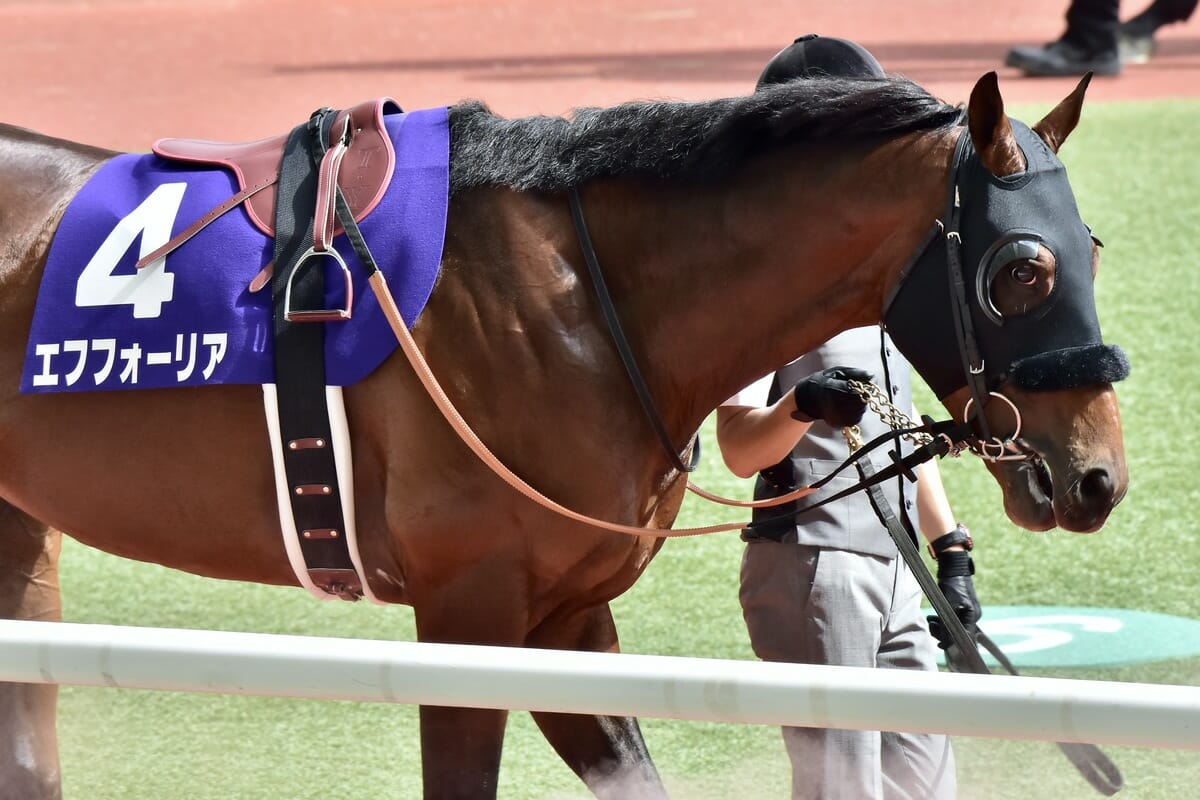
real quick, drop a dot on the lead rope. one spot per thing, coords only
(1095, 767)
(961, 640)
(963, 656)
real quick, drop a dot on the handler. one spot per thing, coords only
(828, 586)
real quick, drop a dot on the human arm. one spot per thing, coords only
(933, 507)
(955, 567)
(752, 438)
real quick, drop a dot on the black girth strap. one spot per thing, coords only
(308, 457)
(618, 336)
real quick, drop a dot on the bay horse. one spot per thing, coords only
(735, 234)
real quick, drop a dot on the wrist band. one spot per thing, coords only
(960, 535)
(955, 564)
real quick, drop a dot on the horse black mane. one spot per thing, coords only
(679, 140)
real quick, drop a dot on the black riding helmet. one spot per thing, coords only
(812, 55)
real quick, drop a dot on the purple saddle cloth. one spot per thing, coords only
(99, 324)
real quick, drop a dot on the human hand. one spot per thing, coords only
(955, 569)
(826, 395)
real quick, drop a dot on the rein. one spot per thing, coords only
(476, 445)
(943, 433)
(983, 444)
(445, 406)
(643, 393)
(968, 348)
(947, 436)
(623, 348)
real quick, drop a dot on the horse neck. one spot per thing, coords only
(724, 283)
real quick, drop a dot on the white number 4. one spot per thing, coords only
(152, 286)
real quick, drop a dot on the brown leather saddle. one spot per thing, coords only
(339, 165)
(363, 175)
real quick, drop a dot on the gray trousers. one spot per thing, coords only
(813, 605)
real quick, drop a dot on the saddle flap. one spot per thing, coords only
(363, 178)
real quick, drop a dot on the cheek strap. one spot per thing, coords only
(1071, 368)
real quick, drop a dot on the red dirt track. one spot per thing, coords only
(121, 73)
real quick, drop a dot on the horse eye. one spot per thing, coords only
(1024, 274)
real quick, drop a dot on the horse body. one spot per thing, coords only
(61, 453)
(439, 532)
(183, 477)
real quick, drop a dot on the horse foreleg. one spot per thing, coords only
(460, 747)
(460, 752)
(28, 590)
(607, 753)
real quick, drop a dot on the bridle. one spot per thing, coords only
(1059, 337)
(952, 438)
(946, 436)
(970, 434)
(984, 443)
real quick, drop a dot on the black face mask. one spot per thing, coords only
(949, 329)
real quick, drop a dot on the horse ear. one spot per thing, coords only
(990, 131)
(1058, 124)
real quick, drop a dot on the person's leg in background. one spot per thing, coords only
(1089, 44)
(915, 765)
(1135, 37)
(811, 605)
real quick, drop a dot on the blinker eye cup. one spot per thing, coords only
(1013, 246)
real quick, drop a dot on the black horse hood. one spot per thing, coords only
(1004, 219)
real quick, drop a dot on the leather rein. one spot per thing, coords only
(947, 436)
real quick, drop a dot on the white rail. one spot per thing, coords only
(1051, 709)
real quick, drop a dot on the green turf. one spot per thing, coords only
(1139, 188)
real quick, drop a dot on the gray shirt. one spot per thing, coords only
(850, 523)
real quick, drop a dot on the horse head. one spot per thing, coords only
(1002, 323)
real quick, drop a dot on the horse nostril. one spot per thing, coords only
(1096, 486)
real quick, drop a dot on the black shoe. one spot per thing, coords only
(1063, 58)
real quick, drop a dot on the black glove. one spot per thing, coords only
(827, 395)
(955, 569)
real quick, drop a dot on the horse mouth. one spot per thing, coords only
(1029, 493)
(1041, 488)
(1082, 507)
(1041, 474)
